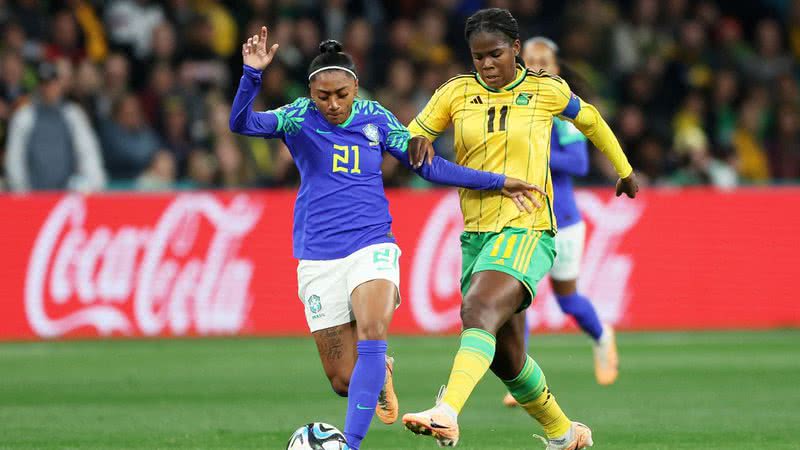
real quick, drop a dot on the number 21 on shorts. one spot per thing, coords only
(386, 259)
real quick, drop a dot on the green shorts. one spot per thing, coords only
(526, 255)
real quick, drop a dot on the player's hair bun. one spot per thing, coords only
(330, 46)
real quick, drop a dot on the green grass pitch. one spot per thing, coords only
(726, 390)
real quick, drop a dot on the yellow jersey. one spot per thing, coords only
(508, 131)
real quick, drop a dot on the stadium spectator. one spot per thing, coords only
(635, 38)
(771, 59)
(131, 23)
(163, 54)
(784, 150)
(160, 176)
(160, 87)
(51, 144)
(13, 88)
(129, 144)
(175, 132)
(234, 170)
(652, 66)
(750, 153)
(65, 39)
(697, 167)
(200, 64)
(116, 76)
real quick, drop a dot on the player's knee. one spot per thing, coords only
(340, 385)
(476, 314)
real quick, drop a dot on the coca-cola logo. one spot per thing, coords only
(179, 275)
(436, 268)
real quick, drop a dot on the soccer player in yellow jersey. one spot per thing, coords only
(502, 116)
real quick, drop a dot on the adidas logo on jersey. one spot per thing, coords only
(476, 100)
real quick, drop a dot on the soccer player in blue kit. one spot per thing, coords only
(348, 273)
(569, 157)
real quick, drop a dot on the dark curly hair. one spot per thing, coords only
(331, 55)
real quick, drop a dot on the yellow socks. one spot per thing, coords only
(530, 390)
(472, 361)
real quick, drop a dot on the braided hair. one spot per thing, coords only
(494, 20)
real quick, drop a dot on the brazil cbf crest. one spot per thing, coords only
(314, 304)
(371, 132)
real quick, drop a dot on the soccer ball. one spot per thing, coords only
(317, 436)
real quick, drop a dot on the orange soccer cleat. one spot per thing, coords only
(388, 407)
(606, 359)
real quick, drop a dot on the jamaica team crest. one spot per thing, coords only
(523, 98)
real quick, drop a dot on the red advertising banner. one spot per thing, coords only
(220, 263)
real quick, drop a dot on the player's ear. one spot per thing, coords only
(355, 90)
(517, 47)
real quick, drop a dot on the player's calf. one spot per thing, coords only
(340, 385)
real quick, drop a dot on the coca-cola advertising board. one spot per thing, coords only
(200, 264)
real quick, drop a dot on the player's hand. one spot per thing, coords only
(420, 150)
(518, 190)
(628, 185)
(255, 53)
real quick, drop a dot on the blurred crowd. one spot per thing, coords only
(135, 94)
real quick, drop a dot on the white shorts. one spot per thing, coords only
(569, 252)
(324, 287)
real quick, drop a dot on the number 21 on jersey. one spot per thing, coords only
(341, 159)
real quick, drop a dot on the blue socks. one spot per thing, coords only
(582, 310)
(584, 313)
(365, 386)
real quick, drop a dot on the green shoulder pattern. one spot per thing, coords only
(290, 117)
(398, 135)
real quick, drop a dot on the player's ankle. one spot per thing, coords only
(605, 334)
(449, 410)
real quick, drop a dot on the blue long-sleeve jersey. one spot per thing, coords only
(568, 157)
(341, 205)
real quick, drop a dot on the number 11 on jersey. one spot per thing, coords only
(503, 117)
(341, 160)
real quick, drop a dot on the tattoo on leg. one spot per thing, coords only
(333, 346)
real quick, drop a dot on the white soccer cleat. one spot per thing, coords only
(578, 437)
(437, 422)
(606, 359)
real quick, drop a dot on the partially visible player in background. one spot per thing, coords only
(569, 157)
(348, 272)
(503, 115)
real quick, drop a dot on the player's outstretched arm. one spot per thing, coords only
(441, 171)
(589, 121)
(243, 119)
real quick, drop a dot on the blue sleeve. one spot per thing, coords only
(243, 119)
(572, 159)
(441, 171)
(444, 172)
